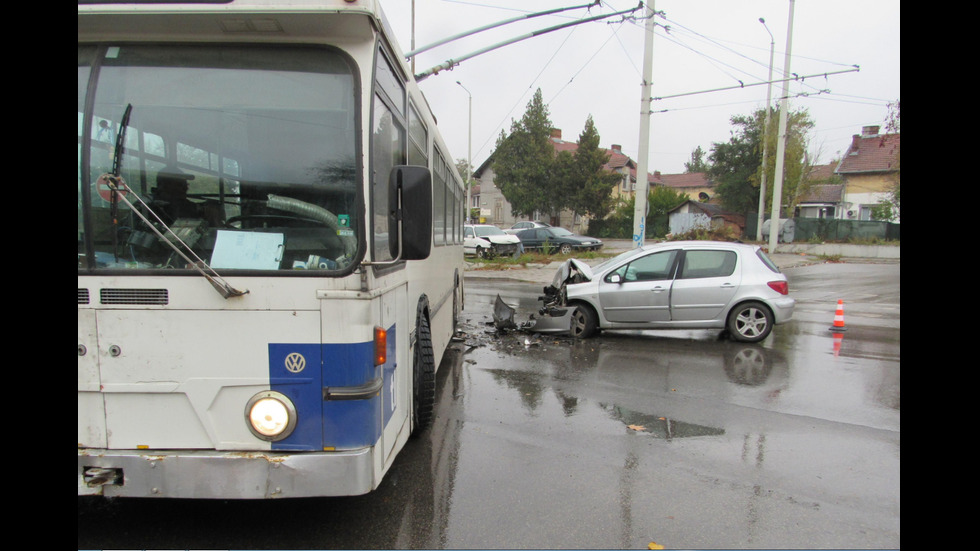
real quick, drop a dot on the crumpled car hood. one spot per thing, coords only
(568, 269)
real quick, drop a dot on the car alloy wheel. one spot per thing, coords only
(584, 323)
(750, 322)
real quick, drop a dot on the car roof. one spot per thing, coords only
(700, 245)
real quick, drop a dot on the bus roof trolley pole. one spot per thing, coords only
(471, 32)
(449, 64)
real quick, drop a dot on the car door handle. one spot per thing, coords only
(658, 289)
(727, 285)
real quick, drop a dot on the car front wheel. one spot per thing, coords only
(584, 322)
(565, 248)
(750, 322)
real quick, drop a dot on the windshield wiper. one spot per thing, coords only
(117, 184)
(118, 187)
(117, 154)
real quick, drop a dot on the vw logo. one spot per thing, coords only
(295, 362)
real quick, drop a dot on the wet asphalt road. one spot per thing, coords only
(676, 438)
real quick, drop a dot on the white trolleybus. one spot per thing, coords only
(269, 249)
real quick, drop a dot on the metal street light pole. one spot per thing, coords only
(469, 154)
(777, 190)
(765, 136)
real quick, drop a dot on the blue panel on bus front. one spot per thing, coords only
(303, 371)
(295, 370)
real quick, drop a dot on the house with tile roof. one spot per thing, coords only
(824, 196)
(870, 170)
(695, 185)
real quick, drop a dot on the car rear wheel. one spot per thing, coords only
(584, 323)
(750, 322)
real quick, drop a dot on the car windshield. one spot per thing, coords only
(483, 231)
(560, 232)
(615, 260)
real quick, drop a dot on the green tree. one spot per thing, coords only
(589, 185)
(524, 163)
(660, 201)
(737, 164)
(697, 162)
(891, 208)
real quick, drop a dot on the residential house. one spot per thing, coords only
(695, 185)
(869, 169)
(862, 179)
(825, 195)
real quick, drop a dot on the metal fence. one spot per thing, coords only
(832, 229)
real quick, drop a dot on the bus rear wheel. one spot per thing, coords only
(423, 378)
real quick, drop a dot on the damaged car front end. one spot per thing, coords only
(556, 316)
(732, 287)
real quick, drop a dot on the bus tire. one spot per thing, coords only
(423, 378)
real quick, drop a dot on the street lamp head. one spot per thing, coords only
(766, 27)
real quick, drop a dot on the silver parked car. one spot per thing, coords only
(526, 225)
(674, 285)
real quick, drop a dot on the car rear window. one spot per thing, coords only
(766, 260)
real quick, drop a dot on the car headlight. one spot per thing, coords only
(270, 415)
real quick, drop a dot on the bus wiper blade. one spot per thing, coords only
(117, 154)
(117, 185)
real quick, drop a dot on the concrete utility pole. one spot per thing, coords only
(765, 136)
(777, 190)
(642, 183)
(469, 154)
(413, 35)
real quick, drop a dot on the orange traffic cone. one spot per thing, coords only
(838, 339)
(839, 317)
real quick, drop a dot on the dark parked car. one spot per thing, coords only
(557, 240)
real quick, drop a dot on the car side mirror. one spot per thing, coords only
(615, 278)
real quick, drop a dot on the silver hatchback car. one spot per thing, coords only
(734, 287)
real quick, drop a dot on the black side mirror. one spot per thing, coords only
(410, 212)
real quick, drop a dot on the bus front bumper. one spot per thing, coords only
(202, 474)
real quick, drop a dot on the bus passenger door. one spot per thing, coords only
(396, 393)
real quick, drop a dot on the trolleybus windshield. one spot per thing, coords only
(246, 154)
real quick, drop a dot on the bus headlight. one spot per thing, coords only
(270, 415)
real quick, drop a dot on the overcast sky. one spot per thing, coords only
(699, 45)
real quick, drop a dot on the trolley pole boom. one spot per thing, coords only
(450, 63)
